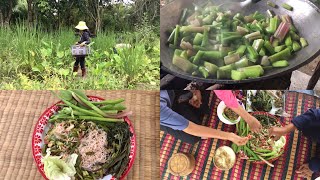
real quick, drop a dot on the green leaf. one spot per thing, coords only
(35, 69)
(63, 72)
(60, 54)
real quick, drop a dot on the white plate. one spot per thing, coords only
(220, 110)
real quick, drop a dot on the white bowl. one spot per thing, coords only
(220, 110)
(231, 156)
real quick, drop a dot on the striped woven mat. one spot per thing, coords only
(300, 149)
(19, 111)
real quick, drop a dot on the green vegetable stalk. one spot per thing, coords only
(241, 49)
(198, 39)
(280, 63)
(184, 64)
(176, 36)
(287, 6)
(257, 44)
(204, 72)
(253, 55)
(282, 55)
(273, 25)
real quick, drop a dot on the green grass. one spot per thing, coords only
(34, 59)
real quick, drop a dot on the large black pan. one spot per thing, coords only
(306, 17)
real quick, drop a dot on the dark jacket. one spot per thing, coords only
(85, 38)
(309, 124)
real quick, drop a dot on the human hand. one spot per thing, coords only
(76, 43)
(305, 171)
(240, 141)
(196, 99)
(83, 44)
(277, 132)
(254, 124)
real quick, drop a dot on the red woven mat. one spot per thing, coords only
(299, 151)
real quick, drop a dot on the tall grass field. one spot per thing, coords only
(34, 59)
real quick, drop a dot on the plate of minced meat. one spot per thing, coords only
(84, 137)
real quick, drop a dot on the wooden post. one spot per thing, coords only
(315, 77)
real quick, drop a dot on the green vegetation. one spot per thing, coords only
(35, 44)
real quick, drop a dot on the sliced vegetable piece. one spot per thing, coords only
(279, 48)
(212, 68)
(252, 71)
(193, 29)
(184, 64)
(271, 4)
(238, 75)
(176, 36)
(280, 63)
(287, 6)
(243, 62)
(231, 58)
(198, 57)
(303, 42)
(198, 39)
(242, 30)
(296, 46)
(241, 49)
(253, 55)
(205, 39)
(257, 44)
(204, 72)
(288, 41)
(262, 52)
(265, 61)
(269, 47)
(282, 31)
(284, 54)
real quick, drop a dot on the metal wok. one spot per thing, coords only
(305, 15)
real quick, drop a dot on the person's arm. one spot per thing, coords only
(280, 131)
(203, 131)
(305, 121)
(168, 117)
(231, 102)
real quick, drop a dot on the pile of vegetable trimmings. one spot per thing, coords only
(86, 139)
(212, 43)
(260, 146)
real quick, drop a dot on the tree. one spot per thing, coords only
(150, 8)
(6, 9)
(30, 12)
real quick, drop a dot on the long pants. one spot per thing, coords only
(189, 112)
(81, 61)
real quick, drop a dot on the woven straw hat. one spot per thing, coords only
(82, 26)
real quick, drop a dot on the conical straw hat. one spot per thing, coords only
(82, 26)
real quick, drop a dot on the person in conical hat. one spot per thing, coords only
(84, 40)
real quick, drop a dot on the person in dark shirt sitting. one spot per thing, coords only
(309, 124)
(84, 40)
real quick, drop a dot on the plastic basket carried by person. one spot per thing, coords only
(77, 50)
